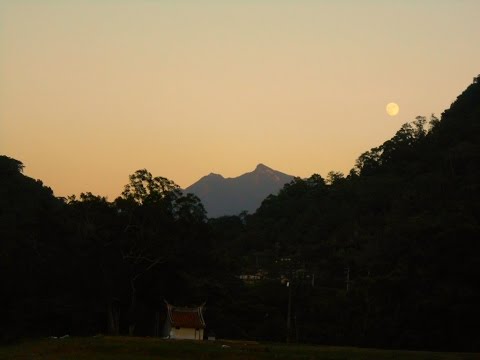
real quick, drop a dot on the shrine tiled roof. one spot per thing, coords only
(184, 317)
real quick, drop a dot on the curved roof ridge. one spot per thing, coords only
(187, 317)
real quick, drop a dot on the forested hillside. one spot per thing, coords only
(384, 256)
(387, 255)
(86, 265)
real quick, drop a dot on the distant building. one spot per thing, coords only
(252, 278)
(184, 322)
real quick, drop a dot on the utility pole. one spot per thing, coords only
(289, 311)
(347, 277)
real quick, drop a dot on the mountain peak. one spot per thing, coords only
(262, 167)
(229, 196)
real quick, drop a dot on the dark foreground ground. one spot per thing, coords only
(122, 348)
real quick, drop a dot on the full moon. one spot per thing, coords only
(392, 109)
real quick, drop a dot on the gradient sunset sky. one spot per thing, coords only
(91, 91)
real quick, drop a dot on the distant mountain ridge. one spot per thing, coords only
(230, 196)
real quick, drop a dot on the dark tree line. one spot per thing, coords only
(86, 265)
(384, 256)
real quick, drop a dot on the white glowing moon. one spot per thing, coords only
(392, 109)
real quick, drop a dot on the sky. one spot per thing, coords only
(92, 90)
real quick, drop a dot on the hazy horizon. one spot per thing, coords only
(91, 91)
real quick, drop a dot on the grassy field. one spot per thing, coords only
(123, 348)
